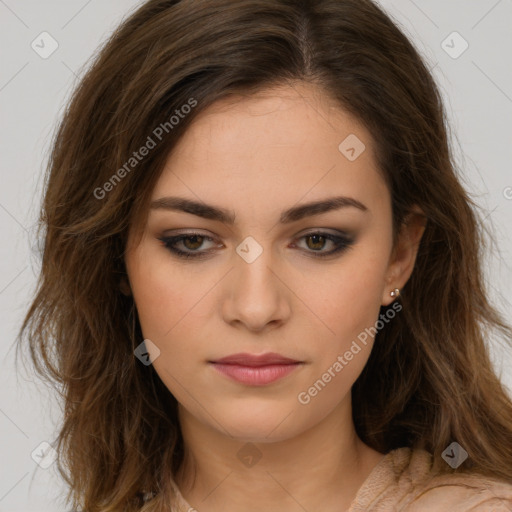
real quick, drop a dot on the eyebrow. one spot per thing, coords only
(225, 216)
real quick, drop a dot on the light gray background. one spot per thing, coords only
(477, 87)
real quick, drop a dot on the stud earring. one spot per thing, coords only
(395, 293)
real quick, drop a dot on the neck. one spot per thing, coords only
(321, 469)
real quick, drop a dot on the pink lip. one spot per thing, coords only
(256, 370)
(256, 360)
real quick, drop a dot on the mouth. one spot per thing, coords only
(256, 370)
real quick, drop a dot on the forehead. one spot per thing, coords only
(270, 150)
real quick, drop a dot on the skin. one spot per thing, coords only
(257, 156)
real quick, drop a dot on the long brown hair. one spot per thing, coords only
(429, 379)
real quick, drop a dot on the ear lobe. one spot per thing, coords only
(124, 286)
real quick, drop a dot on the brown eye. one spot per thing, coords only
(318, 241)
(187, 245)
(196, 243)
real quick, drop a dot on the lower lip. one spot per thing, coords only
(255, 375)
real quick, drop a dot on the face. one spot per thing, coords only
(270, 276)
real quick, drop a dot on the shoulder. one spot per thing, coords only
(462, 493)
(456, 492)
(404, 480)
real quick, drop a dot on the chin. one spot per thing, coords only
(263, 423)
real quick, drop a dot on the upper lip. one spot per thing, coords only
(256, 360)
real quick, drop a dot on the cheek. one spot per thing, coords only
(173, 304)
(162, 295)
(161, 306)
(350, 312)
(349, 304)
(165, 303)
(349, 297)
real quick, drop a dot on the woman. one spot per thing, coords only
(261, 283)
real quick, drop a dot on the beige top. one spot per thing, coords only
(402, 481)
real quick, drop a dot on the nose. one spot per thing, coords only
(256, 296)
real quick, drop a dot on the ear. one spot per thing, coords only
(124, 286)
(403, 256)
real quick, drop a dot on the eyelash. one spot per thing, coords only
(342, 243)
